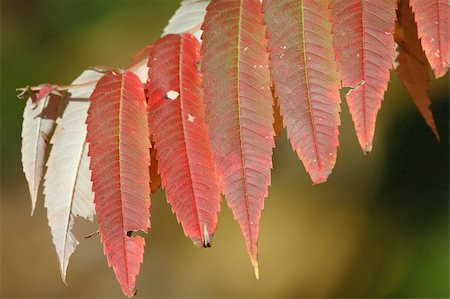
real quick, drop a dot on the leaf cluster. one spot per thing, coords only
(198, 111)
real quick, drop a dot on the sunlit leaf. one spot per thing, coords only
(188, 18)
(239, 109)
(117, 134)
(412, 63)
(364, 46)
(177, 118)
(38, 122)
(432, 18)
(306, 84)
(67, 187)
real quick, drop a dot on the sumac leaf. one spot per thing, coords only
(117, 134)
(239, 109)
(67, 187)
(38, 122)
(432, 18)
(188, 18)
(412, 63)
(181, 136)
(305, 79)
(364, 47)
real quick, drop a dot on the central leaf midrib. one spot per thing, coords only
(308, 91)
(38, 136)
(363, 68)
(180, 83)
(241, 145)
(122, 84)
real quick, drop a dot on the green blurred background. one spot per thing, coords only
(377, 228)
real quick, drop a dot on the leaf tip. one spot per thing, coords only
(206, 237)
(34, 196)
(130, 292)
(33, 206)
(254, 261)
(436, 134)
(432, 125)
(319, 177)
(367, 148)
(62, 272)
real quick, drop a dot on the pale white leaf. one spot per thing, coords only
(68, 186)
(38, 121)
(188, 18)
(141, 70)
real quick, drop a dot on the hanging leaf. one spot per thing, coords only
(188, 18)
(119, 144)
(239, 109)
(67, 187)
(413, 66)
(432, 18)
(364, 47)
(303, 70)
(38, 121)
(181, 136)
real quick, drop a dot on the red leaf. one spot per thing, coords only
(239, 109)
(413, 66)
(304, 73)
(432, 18)
(364, 48)
(120, 157)
(176, 115)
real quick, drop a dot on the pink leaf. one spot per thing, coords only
(304, 74)
(432, 18)
(239, 109)
(363, 40)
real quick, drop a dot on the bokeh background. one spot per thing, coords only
(378, 228)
